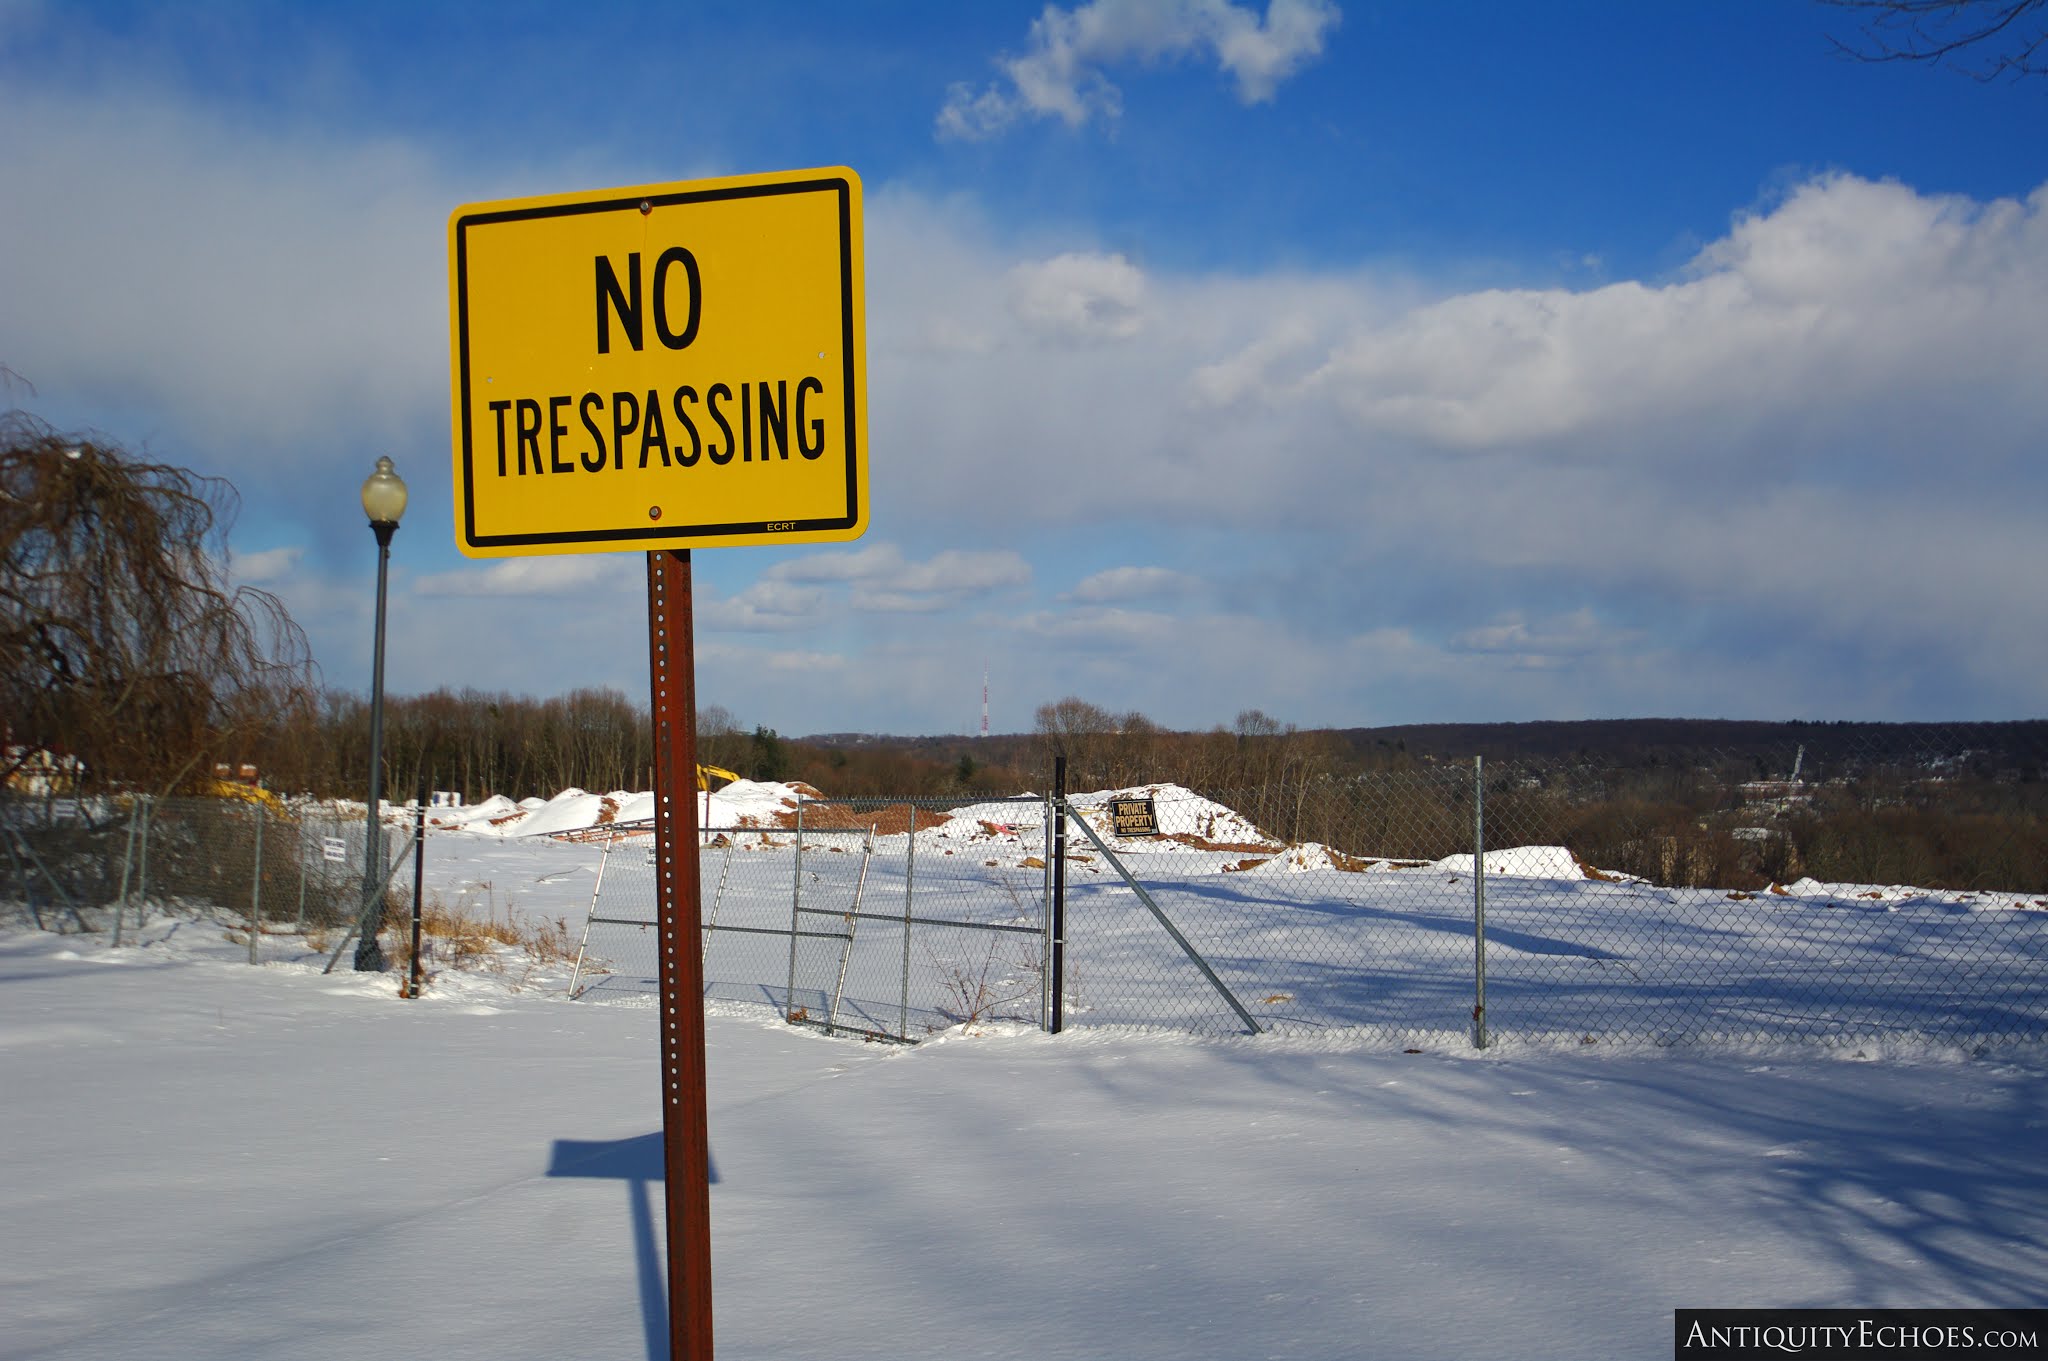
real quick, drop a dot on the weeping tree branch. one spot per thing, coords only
(123, 644)
(2002, 37)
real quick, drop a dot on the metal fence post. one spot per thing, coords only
(419, 869)
(1045, 915)
(717, 897)
(1479, 902)
(909, 879)
(28, 891)
(127, 863)
(299, 926)
(796, 906)
(142, 861)
(1059, 894)
(590, 915)
(853, 917)
(256, 891)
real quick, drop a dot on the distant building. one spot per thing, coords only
(38, 772)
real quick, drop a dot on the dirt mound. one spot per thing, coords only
(893, 820)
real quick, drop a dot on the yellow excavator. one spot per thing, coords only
(254, 795)
(705, 775)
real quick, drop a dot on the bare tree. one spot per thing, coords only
(721, 741)
(1986, 39)
(123, 644)
(1078, 730)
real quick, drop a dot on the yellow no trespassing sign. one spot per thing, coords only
(670, 366)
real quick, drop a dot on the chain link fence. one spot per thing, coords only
(1842, 891)
(100, 865)
(1845, 891)
(1299, 935)
(888, 919)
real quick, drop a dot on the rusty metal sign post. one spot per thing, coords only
(739, 416)
(685, 1130)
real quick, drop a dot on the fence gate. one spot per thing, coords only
(889, 922)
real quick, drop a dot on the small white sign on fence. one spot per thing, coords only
(334, 848)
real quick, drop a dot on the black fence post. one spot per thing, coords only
(419, 865)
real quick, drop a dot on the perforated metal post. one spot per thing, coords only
(686, 1140)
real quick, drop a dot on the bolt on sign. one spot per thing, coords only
(666, 367)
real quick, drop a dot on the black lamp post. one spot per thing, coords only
(383, 502)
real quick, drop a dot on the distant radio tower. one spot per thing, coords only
(984, 701)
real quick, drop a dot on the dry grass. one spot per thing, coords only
(977, 988)
(460, 937)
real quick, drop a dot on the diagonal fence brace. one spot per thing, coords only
(1187, 948)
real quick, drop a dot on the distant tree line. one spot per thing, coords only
(479, 743)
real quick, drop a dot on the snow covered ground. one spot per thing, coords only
(200, 1158)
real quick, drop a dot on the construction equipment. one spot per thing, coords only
(252, 794)
(704, 774)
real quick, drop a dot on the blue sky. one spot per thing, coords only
(1360, 362)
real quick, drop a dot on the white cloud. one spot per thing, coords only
(1134, 583)
(1849, 295)
(945, 581)
(1251, 370)
(264, 284)
(745, 661)
(1825, 427)
(270, 565)
(876, 560)
(565, 575)
(767, 607)
(1305, 398)
(1104, 626)
(1261, 55)
(1559, 641)
(1080, 297)
(1061, 74)
(958, 572)
(878, 580)
(952, 572)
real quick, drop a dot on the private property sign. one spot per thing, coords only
(665, 367)
(1134, 816)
